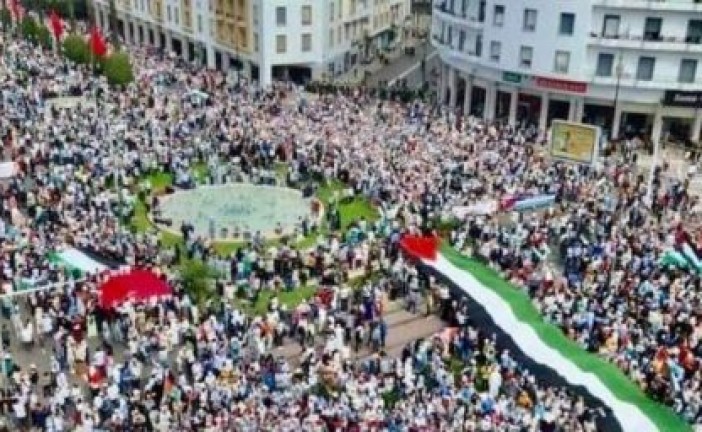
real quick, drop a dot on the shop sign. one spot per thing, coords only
(686, 99)
(561, 85)
(511, 77)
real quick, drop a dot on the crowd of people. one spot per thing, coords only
(590, 262)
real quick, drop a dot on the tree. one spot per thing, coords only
(44, 37)
(196, 277)
(76, 49)
(29, 28)
(118, 69)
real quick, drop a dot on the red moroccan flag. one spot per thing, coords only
(97, 43)
(56, 25)
(15, 9)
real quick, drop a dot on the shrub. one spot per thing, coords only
(44, 37)
(29, 28)
(118, 69)
(76, 49)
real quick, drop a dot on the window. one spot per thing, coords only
(694, 31)
(567, 25)
(255, 42)
(175, 15)
(199, 23)
(331, 11)
(499, 16)
(562, 62)
(688, 70)
(461, 40)
(306, 42)
(168, 13)
(529, 20)
(495, 49)
(331, 38)
(644, 72)
(281, 16)
(306, 13)
(652, 29)
(281, 43)
(605, 63)
(525, 55)
(479, 46)
(610, 28)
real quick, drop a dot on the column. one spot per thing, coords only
(572, 107)
(246, 69)
(211, 60)
(656, 139)
(696, 126)
(657, 126)
(453, 87)
(442, 81)
(265, 75)
(468, 97)
(490, 102)
(444, 84)
(616, 122)
(579, 109)
(169, 42)
(543, 116)
(513, 103)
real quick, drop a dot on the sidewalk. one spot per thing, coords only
(398, 62)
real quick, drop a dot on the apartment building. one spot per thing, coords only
(629, 66)
(266, 39)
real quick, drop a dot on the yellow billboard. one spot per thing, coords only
(574, 142)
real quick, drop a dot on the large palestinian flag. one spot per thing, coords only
(541, 347)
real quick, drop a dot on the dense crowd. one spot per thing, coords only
(180, 364)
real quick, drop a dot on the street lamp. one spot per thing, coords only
(619, 69)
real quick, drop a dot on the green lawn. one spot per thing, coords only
(350, 212)
(288, 298)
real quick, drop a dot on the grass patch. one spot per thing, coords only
(520, 303)
(288, 298)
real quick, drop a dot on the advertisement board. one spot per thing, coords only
(575, 142)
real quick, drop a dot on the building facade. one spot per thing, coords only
(628, 66)
(267, 39)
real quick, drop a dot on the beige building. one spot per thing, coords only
(266, 39)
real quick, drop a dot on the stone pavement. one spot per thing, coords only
(403, 328)
(678, 166)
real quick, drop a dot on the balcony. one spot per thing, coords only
(652, 5)
(691, 44)
(462, 18)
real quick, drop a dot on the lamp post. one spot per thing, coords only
(618, 70)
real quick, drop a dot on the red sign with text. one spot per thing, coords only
(562, 85)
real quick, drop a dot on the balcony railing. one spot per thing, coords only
(670, 5)
(653, 42)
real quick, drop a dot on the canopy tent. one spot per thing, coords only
(137, 285)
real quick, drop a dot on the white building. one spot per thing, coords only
(268, 39)
(629, 66)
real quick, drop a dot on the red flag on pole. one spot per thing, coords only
(56, 25)
(15, 9)
(97, 43)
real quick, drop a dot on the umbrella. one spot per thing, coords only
(137, 285)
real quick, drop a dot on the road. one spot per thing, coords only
(405, 66)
